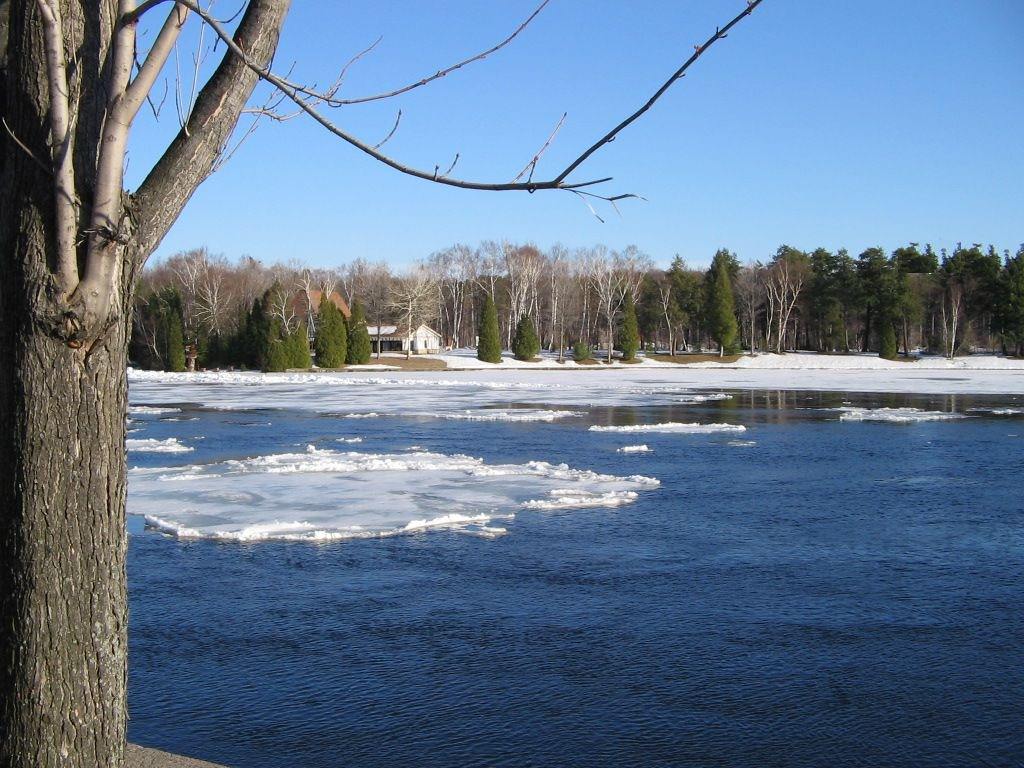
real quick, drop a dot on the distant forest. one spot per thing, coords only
(196, 309)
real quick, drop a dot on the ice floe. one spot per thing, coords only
(150, 410)
(672, 427)
(895, 415)
(633, 449)
(153, 445)
(568, 498)
(325, 495)
(512, 415)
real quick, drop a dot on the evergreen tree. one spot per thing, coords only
(297, 348)
(359, 346)
(721, 317)
(525, 344)
(488, 347)
(253, 341)
(275, 351)
(1011, 302)
(331, 343)
(581, 352)
(175, 343)
(629, 334)
(887, 343)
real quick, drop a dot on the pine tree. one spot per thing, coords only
(581, 352)
(359, 345)
(175, 343)
(275, 351)
(721, 315)
(253, 342)
(629, 334)
(1011, 304)
(488, 347)
(331, 343)
(297, 346)
(525, 344)
(888, 347)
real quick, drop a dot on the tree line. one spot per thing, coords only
(197, 308)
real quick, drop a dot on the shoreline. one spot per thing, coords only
(147, 757)
(976, 375)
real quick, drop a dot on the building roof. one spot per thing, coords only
(392, 331)
(302, 304)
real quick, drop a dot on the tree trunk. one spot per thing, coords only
(63, 388)
(63, 607)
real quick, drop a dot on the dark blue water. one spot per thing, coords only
(837, 594)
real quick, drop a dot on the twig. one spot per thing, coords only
(532, 165)
(21, 145)
(391, 133)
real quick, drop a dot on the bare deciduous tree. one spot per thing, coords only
(414, 300)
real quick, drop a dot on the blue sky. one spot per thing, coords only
(837, 124)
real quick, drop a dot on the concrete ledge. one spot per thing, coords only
(143, 757)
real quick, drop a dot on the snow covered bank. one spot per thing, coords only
(456, 391)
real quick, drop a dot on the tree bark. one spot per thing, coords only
(62, 540)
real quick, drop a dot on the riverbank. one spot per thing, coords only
(977, 374)
(144, 757)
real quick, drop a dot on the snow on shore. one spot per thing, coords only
(549, 383)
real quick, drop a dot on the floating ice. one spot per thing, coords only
(633, 449)
(895, 415)
(673, 427)
(513, 415)
(370, 415)
(349, 440)
(325, 495)
(150, 410)
(998, 411)
(567, 498)
(741, 443)
(701, 398)
(152, 445)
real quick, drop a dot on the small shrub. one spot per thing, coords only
(581, 352)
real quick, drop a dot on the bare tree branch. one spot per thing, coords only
(306, 99)
(155, 60)
(441, 72)
(61, 135)
(678, 74)
(192, 155)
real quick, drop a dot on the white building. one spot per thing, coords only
(422, 341)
